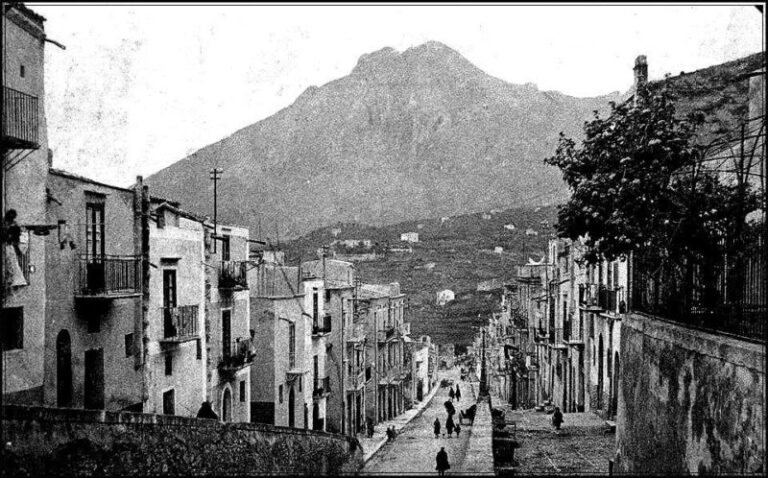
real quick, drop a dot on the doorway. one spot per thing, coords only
(93, 396)
(291, 407)
(226, 406)
(63, 369)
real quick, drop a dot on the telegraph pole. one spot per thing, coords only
(215, 177)
(483, 384)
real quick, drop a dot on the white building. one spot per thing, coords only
(409, 237)
(445, 296)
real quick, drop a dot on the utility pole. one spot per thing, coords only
(483, 384)
(215, 177)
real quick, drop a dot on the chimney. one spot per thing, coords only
(641, 73)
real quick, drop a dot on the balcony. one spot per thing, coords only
(179, 324)
(611, 300)
(354, 333)
(322, 388)
(238, 355)
(321, 328)
(557, 339)
(388, 333)
(574, 337)
(589, 297)
(356, 381)
(233, 275)
(107, 277)
(20, 120)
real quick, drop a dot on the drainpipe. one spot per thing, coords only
(141, 246)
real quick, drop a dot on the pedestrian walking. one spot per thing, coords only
(449, 425)
(369, 426)
(458, 430)
(452, 394)
(442, 462)
(436, 425)
(557, 418)
(458, 393)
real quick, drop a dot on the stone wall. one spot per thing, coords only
(478, 459)
(65, 442)
(689, 401)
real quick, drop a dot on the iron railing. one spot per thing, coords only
(236, 355)
(322, 327)
(20, 119)
(180, 322)
(321, 386)
(589, 295)
(725, 294)
(233, 275)
(107, 275)
(612, 300)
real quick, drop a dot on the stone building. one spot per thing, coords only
(25, 157)
(383, 306)
(95, 330)
(279, 374)
(345, 358)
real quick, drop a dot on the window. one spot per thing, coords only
(22, 71)
(315, 369)
(225, 249)
(169, 403)
(280, 393)
(226, 333)
(300, 380)
(292, 346)
(94, 221)
(168, 365)
(199, 349)
(242, 390)
(128, 345)
(327, 295)
(12, 328)
(315, 307)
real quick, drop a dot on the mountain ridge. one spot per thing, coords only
(418, 133)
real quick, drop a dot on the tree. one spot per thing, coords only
(638, 180)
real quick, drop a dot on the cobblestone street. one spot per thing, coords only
(414, 450)
(581, 446)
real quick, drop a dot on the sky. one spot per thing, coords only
(140, 87)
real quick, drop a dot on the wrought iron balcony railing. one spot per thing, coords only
(612, 300)
(322, 387)
(322, 327)
(20, 120)
(180, 323)
(107, 276)
(589, 296)
(236, 355)
(233, 275)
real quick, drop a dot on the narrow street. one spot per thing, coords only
(581, 446)
(414, 450)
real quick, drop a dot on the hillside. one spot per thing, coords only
(456, 254)
(422, 133)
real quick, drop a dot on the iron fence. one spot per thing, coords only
(727, 293)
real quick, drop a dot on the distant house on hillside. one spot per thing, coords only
(486, 216)
(409, 237)
(489, 285)
(495, 211)
(420, 226)
(531, 232)
(352, 243)
(445, 296)
(336, 231)
(444, 219)
(509, 227)
(498, 249)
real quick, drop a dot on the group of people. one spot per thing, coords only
(391, 433)
(450, 427)
(456, 394)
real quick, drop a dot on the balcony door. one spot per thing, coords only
(93, 395)
(94, 245)
(169, 302)
(226, 333)
(63, 369)
(94, 229)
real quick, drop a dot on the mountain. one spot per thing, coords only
(422, 133)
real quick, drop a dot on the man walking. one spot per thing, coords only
(442, 462)
(458, 393)
(436, 425)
